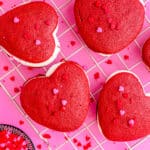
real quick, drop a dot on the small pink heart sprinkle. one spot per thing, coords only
(121, 89)
(131, 122)
(99, 30)
(122, 112)
(37, 42)
(64, 102)
(2, 145)
(55, 91)
(16, 20)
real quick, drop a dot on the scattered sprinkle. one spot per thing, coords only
(1, 3)
(126, 57)
(64, 102)
(99, 30)
(122, 112)
(16, 20)
(87, 138)
(121, 88)
(73, 43)
(12, 78)
(37, 42)
(125, 95)
(79, 144)
(109, 61)
(21, 122)
(131, 122)
(16, 90)
(87, 146)
(46, 136)
(5, 68)
(75, 140)
(39, 146)
(96, 75)
(55, 91)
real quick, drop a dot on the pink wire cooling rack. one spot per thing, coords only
(97, 67)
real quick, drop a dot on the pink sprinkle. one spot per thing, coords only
(2, 145)
(55, 91)
(99, 30)
(131, 122)
(16, 20)
(64, 102)
(121, 89)
(122, 112)
(37, 42)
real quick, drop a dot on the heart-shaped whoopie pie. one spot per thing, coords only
(28, 34)
(123, 108)
(146, 53)
(60, 100)
(108, 26)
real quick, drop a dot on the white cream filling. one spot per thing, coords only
(41, 64)
(52, 69)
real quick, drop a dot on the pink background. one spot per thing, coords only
(12, 113)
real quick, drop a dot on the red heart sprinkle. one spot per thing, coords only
(47, 136)
(96, 75)
(1, 3)
(12, 78)
(87, 138)
(109, 61)
(21, 122)
(16, 90)
(73, 43)
(5, 68)
(39, 146)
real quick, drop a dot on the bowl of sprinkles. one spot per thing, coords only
(13, 138)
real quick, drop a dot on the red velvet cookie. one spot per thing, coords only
(108, 26)
(146, 53)
(28, 33)
(123, 108)
(59, 100)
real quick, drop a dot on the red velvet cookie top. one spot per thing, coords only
(107, 26)
(60, 101)
(146, 53)
(123, 109)
(27, 31)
